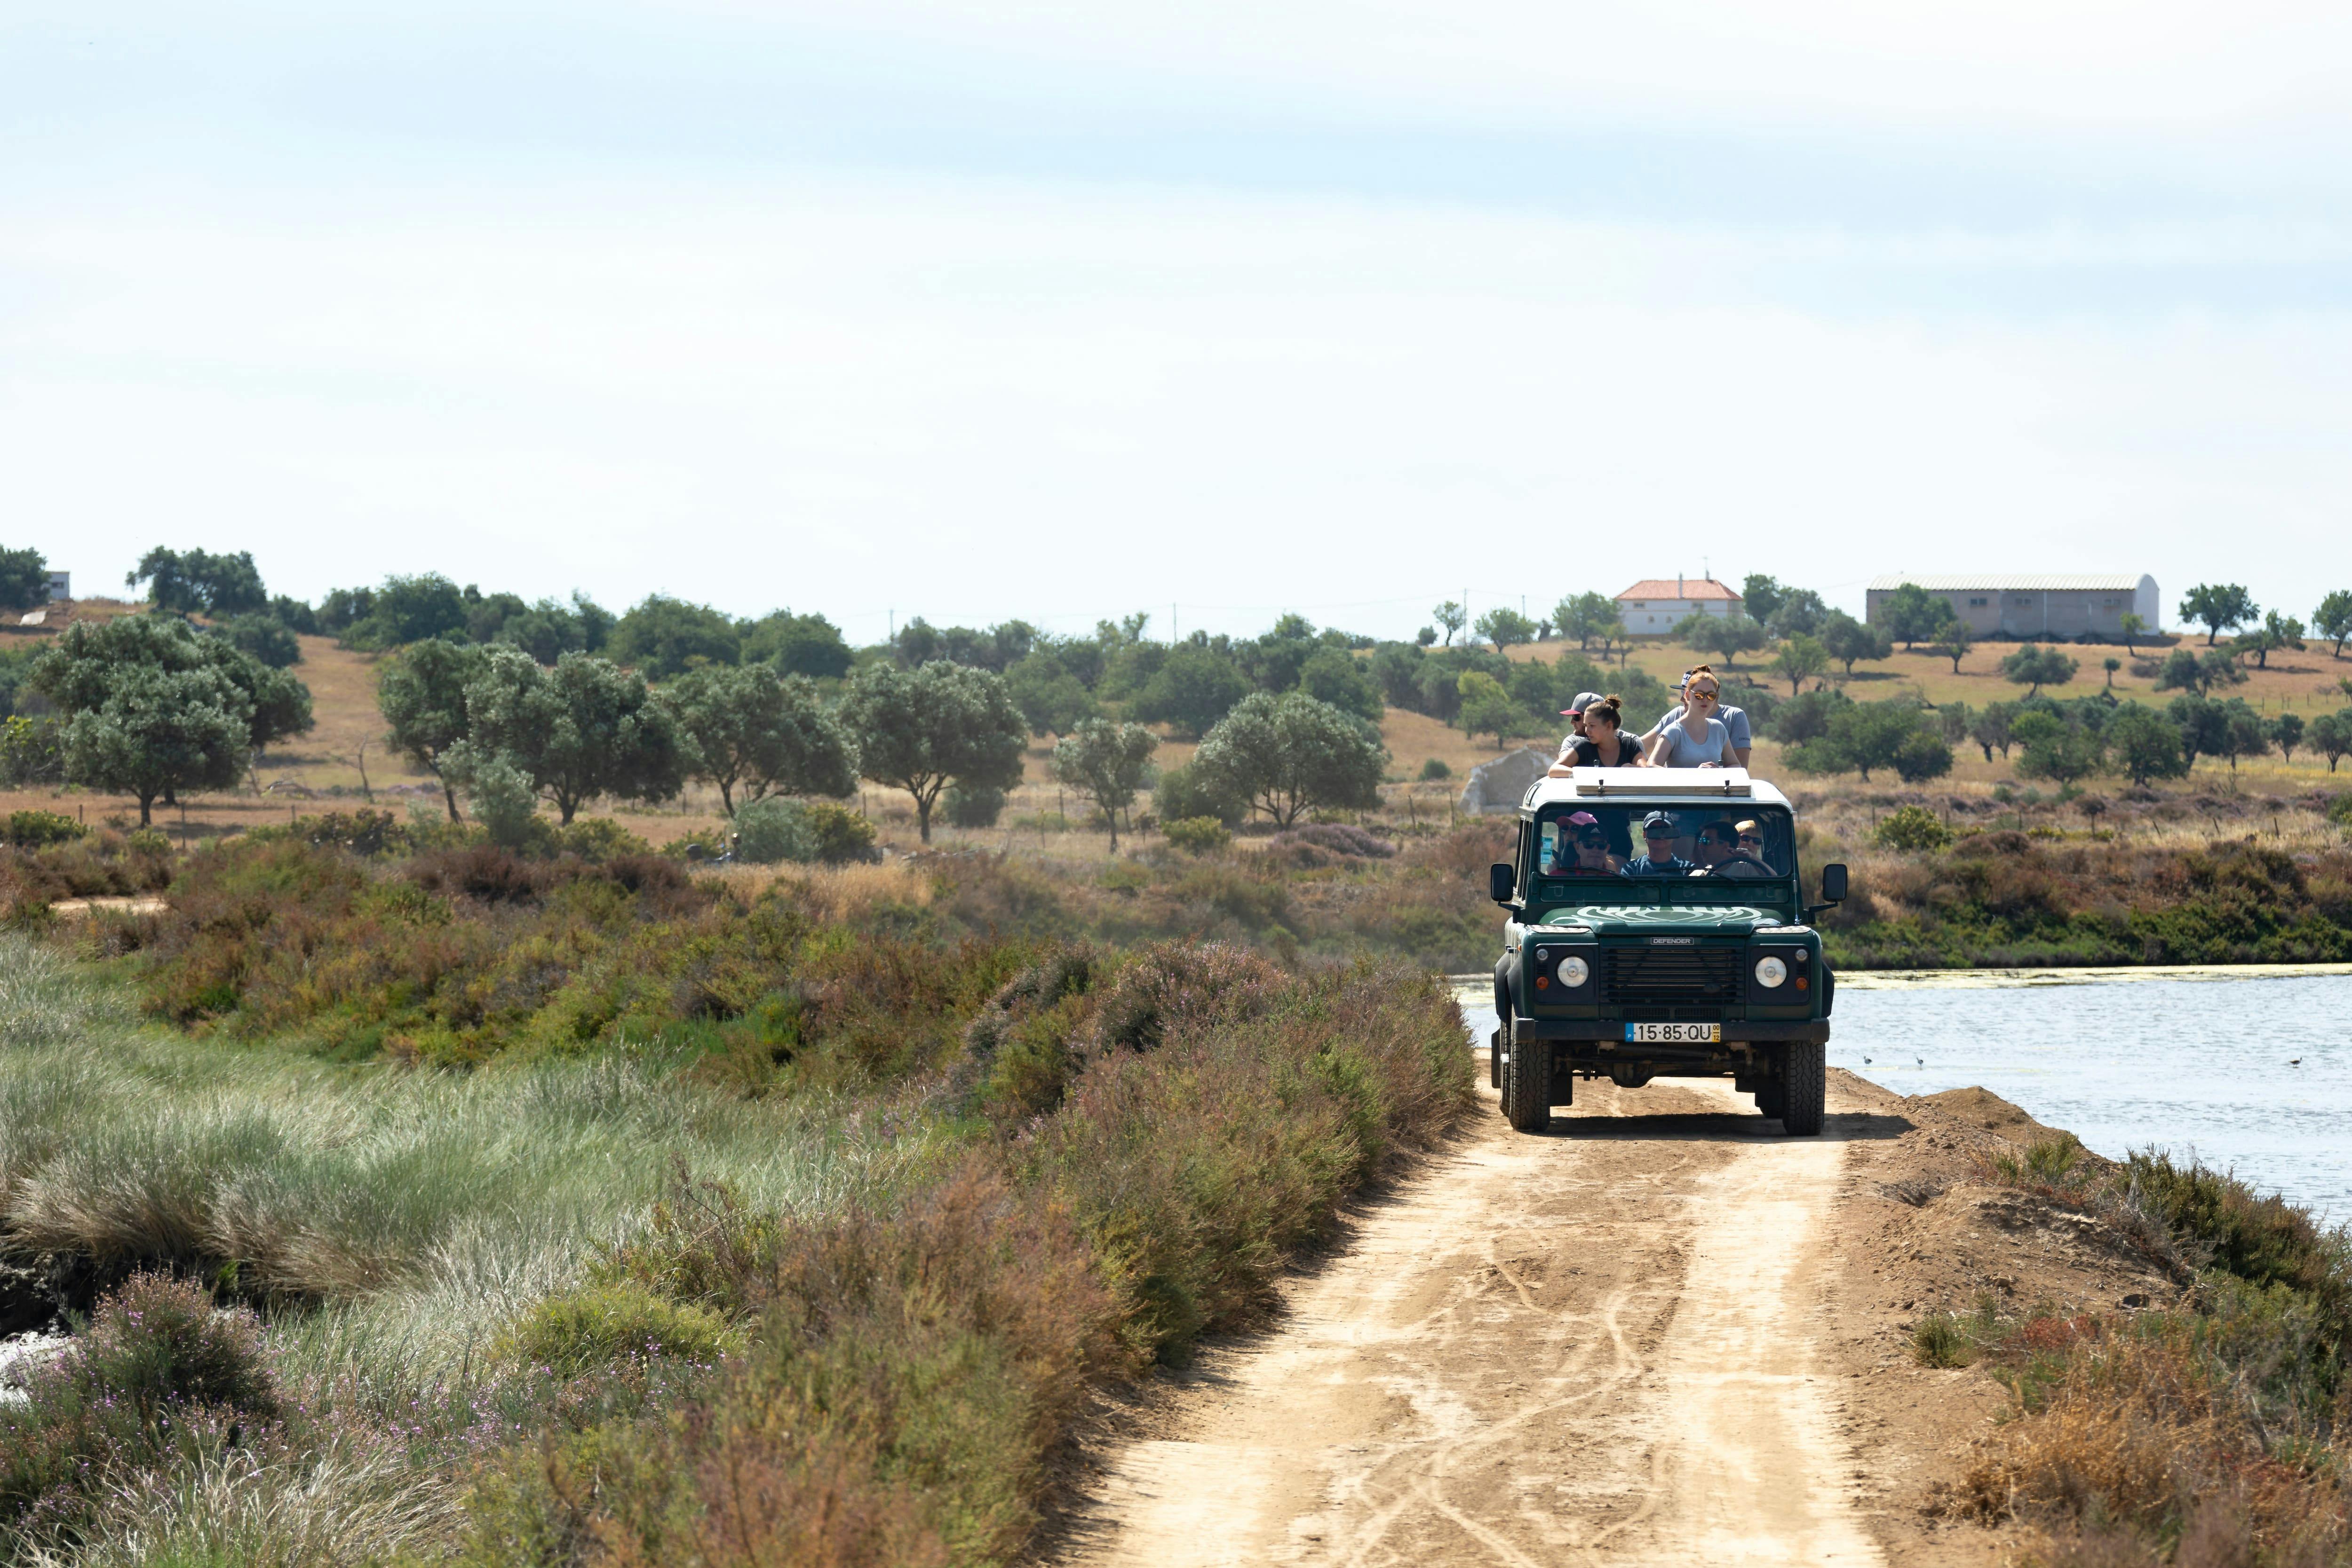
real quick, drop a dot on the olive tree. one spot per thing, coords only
(91, 664)
(1106, 763)
(2333, 618)
(158, 731)
(2144, 743)
(753, 729)
(939, 724)
(1798, 660)
(2034, 667)
(2218, 607)
(2331, 736)
(25, 578)
(585, 728)
(1289, 754)
(421, 696)
(1850, 641)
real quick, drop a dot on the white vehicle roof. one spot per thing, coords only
(1666, 786)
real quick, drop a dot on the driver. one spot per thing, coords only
(1717, 843)
(1658, 858)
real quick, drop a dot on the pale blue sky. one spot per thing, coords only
(978, 310)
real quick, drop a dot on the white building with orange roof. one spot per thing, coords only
(1656, 605)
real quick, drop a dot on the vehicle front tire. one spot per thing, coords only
(1526, 1085)
(1804, 1087)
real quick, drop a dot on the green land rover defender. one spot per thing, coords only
(1658, 928)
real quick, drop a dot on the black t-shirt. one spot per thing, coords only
(1583, 753)
(1643, 865)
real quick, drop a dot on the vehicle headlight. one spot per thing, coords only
(1574, 971)
(1771, 972)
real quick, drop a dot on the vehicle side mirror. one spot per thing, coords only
(1501, 882)
(1833, 883)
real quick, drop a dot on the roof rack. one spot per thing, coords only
(1606, 781)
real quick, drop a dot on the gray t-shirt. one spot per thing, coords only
(1734, 718)
(1689, 747)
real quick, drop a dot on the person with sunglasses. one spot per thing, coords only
(1695, 737)
(1603, 742)
(1582, 848)
(1734, 719)
(1658, 857)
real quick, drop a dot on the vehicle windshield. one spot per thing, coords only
(1614, 846)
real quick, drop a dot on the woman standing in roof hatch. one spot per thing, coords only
(1605, 743)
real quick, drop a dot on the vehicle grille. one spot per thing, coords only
(1657, 975)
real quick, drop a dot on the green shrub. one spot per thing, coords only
(1182, 792)
(842, 835)
(1939, 1339)
(973, 807)
(597, 839)
(1198, 835)
(503, 802)
(772, 829)
(35, 830)
(1912, 829)
(152, 843)
(579, 1331)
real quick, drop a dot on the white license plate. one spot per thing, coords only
(1673, 1034)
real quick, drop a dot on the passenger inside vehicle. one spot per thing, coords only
(1658, 857)
(1580, 848)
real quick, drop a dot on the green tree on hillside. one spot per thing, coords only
(1107, 763)
(1487, 708)
(2144, 745)
(1451, 616)
(923, 730)
(1193, 688)
(2286, 733)
(1724, 636)
(103, 670)
(2035, 667)
(584, 729)
(1994, 725)
(796, 645)
(1798, 660)
(2333, 618)
(2331, 736)
(265, 637)
(24, 580)
(2132, 629)
(2217, 607)
(1288, 754)
(663, 638)
(407, 610)
(2050, 748)
(1761, 595)
(749, 728)
(1860, 736)
(2275, 632)
(1911, 614)
(1052, 700)
(1850, 641)
(197, 582)
(421, 695)
(1503, 628)
(1952, 642)
(2110, 664)
(158, 732)
(1800, 613)
(1336, 676)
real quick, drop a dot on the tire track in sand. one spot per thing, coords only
(1590, 1347)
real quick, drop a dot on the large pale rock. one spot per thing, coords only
(1497, 786)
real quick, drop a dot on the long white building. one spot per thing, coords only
(2034, 605)
(1656, 605)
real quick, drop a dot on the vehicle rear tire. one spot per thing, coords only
(1495, 1049)
(1771, 1097)
(1526, 1085)
(1804, 1086)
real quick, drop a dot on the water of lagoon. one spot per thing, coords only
(2251, 1073)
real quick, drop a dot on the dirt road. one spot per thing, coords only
(1606, 1344)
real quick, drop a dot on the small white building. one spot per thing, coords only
(60, 587)
(1656, 605)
